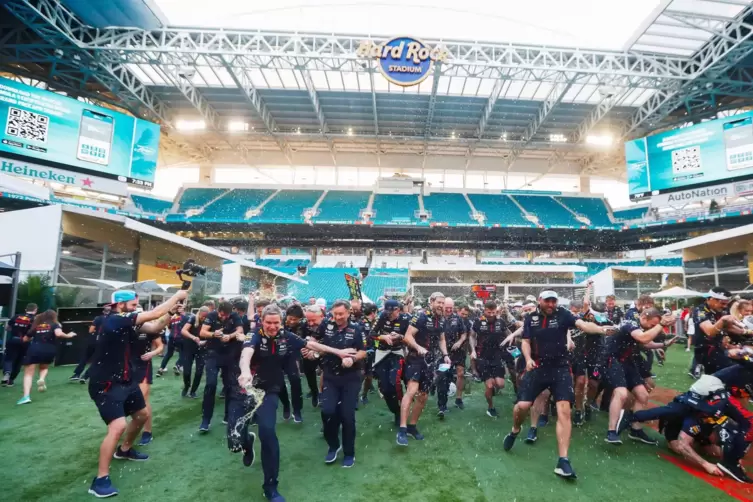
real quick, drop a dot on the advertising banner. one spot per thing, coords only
(64, 133)
(354, 287)
(710, 153)
(44, 173)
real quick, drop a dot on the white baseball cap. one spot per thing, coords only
(548, 295)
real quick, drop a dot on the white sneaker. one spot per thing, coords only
(41, 386)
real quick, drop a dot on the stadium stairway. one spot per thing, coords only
(287, 206)
(499, 210)
(449, 208)
(341, 206)
(392, 209)
(593, 208)
(548, 211)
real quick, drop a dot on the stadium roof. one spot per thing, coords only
(292, 94)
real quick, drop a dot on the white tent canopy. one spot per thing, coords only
(149, 286)
(677, 292)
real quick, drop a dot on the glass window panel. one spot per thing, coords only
(734, 281)
(626, 284)
(733, 261)
(702, 266)
(75, 272)
(703, 283)
(119, 274)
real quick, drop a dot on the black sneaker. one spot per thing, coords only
(273, 495)
(587, 414)
(248, 450)
(83, 380)
(532, 435)
(440, 413)
(315, 401)
(204, 427)
(297, 418)
(735, 471)
(184, 393)
(459, 404)
(564, 469)
(509, 441)
(578, 418)
(286, 415)
(160, 372)
(364, 399)
(413, 432)
(193, 395)
(613, 438)
(74, 378)
(176, 370)
(640, 436)
(626, 418)
(492, 412)
(130, 455)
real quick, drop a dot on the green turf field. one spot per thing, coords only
(49, 452)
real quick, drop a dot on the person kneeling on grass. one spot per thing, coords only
(705, 416)
(267, 352)
(114, 388)
(43, 332)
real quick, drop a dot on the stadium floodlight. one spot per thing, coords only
(237, 126)
(350, 131)
(558, 138)
(599, 139)
(190, 125)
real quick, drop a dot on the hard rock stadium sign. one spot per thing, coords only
(404, 61)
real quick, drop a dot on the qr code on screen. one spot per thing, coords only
(686, 160)
(27, 125)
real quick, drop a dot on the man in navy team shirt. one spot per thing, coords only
(545, 349)
(263, 361)
(79, 374)
(223, 330)
(17, 343)
(111, 384)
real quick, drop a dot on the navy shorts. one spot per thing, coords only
(558, 379)
(40, 353)
(622, 374)
(142, 372)
(488, 369)
(584, 367)
(457, 357)
(418, 370)
(116, 400)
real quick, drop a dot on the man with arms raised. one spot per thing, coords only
(111, 383)
(545, 348)
(268, 350)
(426, 343)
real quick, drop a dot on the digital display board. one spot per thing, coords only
(61, 132)
(705, 154)
(484, 291)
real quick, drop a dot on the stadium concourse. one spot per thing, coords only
(357, 251)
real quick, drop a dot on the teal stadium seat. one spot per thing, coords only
(395, 209)
(327, 283)
(635, 213)
(499, 210)
(342, 206)
(233, 206)
(549, 212)
(380, 279)
(195, 198)
(593, 208)
(151, 205)
(450, 208)
(288, 206)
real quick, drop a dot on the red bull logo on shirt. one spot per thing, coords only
(404, 61)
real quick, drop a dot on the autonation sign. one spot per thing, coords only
(403, 61)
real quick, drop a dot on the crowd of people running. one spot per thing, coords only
(563, 362)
